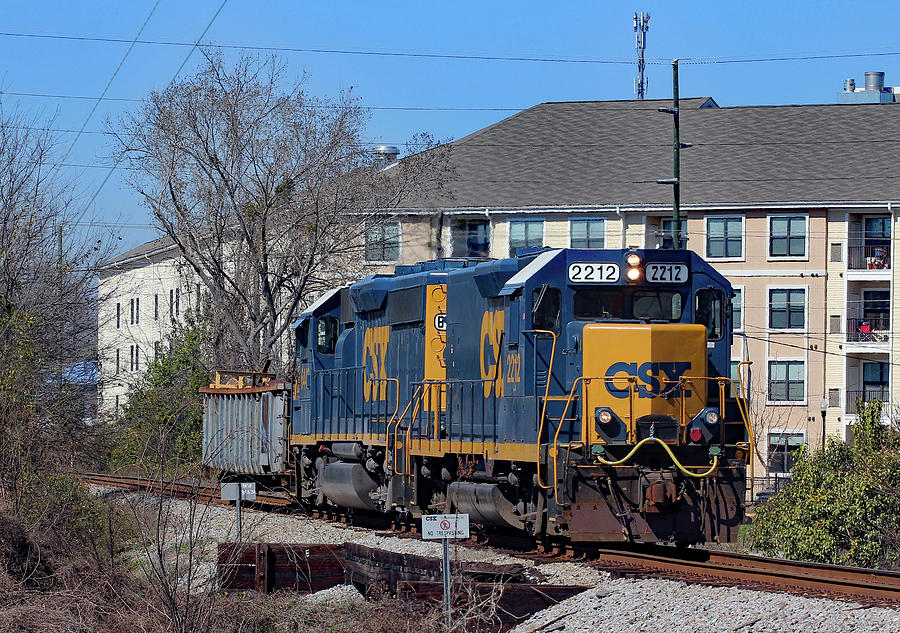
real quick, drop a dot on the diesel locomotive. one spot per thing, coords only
(568, 393)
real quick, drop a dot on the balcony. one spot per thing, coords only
(868, 330)
(869, 256)
(867, 395)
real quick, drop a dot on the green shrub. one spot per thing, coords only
(163, 420)
(842, 504)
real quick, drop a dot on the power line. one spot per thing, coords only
(333, 51)
(43, 95)
(174, 77)
(420, 53)
(109, 83)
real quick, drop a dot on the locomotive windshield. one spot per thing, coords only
(607, 304)
(598, 303)
(656, 305)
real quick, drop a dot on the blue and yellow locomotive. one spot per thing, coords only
(574, 393)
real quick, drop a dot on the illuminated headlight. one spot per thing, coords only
(604, 417)
(711, 417)
(633, 274)
(633, 259)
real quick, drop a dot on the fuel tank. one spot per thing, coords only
(349, 485)
(484, 503)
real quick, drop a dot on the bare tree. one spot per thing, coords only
(267, 192)
(47, 312)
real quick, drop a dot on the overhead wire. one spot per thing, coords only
(174, 77)
(99, 99)
(421, 53)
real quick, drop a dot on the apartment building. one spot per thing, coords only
(794, 204)
(142, 292)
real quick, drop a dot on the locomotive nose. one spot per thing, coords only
(644, 375)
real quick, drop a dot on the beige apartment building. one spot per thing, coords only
(793, 204)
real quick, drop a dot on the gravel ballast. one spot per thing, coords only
(621, 605)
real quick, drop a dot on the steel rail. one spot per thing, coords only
(873, 586)
(177, 489)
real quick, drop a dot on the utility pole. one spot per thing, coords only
(677, 146)
(641, 26)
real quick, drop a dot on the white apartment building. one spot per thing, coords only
(142, 293)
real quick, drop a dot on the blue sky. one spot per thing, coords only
(591, 32)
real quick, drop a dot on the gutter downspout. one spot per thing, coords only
(622, 224)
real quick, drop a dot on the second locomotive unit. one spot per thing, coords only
(572, 393)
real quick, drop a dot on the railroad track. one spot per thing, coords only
(179, 489)
(866, 586)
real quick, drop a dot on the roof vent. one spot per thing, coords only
(849, 85)
(874, 81)
(386, 154)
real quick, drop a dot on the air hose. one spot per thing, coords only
(715, 462)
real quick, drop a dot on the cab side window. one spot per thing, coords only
(545, 307)
(327, 330)
(302, 334)
(709, 310)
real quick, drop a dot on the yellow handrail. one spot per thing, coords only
(544, 407)
(396, 408)
(683, 469)
(632, 381)
(412, 418)
(554, 450)
(397, 428)
(746, 415)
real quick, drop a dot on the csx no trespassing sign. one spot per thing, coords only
(438, 526)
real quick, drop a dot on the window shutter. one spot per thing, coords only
(837, 252)
(834, 324)
(834, 397)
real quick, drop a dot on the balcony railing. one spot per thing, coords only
(871, 330)
(869, 394)
(869, 257)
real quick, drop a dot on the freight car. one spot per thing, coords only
(573, 393)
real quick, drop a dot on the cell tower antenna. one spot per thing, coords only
(641, 26)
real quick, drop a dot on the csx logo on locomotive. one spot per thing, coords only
(653, 379)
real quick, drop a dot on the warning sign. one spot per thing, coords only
(439, 526)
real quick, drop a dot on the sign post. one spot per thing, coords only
(236, 492)
(445, 527)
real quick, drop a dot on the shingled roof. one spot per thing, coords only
(609, 153)
(613, 152)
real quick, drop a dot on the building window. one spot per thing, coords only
(737, 310)
(137, 310)
(118, 315)
(787, 309)
(171, 304)
(131, 358)
(131, 311)
(664, 234)
(876, 382)
(787, 381)
(525, 234)
(117, 361)
(724, 237)
(781, 450)
(156, 307)
(117, 404)
(383, 242)
(470, 238)
(587, 233)
(735, 374)
(787, 236)
(177, 301)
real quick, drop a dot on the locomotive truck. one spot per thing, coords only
(575, 393)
